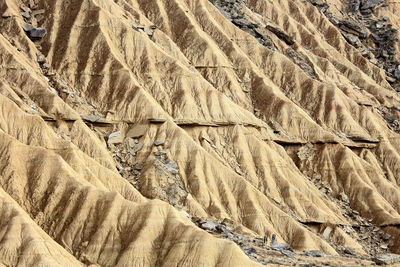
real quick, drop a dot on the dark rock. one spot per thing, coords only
(315, 253)
(242, 23)
(301, 61)
(37, 32)
(388, 258)
(386, 237)
(355, 5)
(33, 32)
(27, 27)
(281, 34)
(349, 251)
(350, 26)
(368, 4)
(249, 251)
(389, 117)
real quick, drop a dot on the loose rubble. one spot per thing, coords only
(363, 28)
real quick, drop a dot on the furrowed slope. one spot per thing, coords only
(144, 108)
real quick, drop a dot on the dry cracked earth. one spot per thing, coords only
(199, 133)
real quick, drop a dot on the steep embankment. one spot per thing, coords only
(132, 126)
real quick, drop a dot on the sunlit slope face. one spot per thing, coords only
(126, 113)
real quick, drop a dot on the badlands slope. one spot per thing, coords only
(145, 116)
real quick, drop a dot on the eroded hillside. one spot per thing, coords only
(194, 132)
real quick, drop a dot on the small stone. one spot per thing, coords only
(384, 246)
(208, 226)
(352, 39)
(159, 143)
(278, 246)
(26, 14)
(130, 141)
(390, 117)
(249, 251)
(137, 147)
(327, 232)
(115, 138)
(386, 237)
(91, 117)
(27, 27)
(25, 9)
(148, 31)
(374, 61)
(171, 166)
(344, 197)
(287, 253)
(227, 234)
(40, 58)
(54, 91)
(185, 213)
(349, 251)
(346, 230)
(37, 32)
(315, 253)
